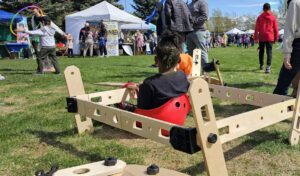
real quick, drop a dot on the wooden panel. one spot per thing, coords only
(206, 124)
(110, 97)
(93, 169)
(245, 96)
(196, 69)
(136, 170)
(248, 122)
(75, 87)
(151, 128)
(295, 131)
(74, 82)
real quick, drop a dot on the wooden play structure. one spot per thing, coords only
(115, 168)
(208, 134)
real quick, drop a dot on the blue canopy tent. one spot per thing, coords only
(5, 34)
(7, 17)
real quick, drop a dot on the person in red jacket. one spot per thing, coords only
(266, 32)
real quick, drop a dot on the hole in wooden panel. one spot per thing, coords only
(83, 118)
(200, 91)
(261, 118)
(81, 171)
(228, 94)
(295, 139)
(72, 73)
(164, 133)
(204, 113)
(237, 126)
(224, 130)
(138, 125)
(109, 97)
(281, 111)
(250, 97)
(96, 99)
(211, 90)
(115, 119)
(97, 112)
(290, 108)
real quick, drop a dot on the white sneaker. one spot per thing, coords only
(2, 78)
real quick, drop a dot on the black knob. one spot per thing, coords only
(39, 173)
(110, 161)
(212, 138)
(153, 170)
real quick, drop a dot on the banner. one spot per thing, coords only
(112, 44)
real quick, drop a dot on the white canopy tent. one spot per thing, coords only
(102, 11)
(250, 31)
(142, 26)
(235, 31)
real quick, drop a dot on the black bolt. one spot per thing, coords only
(110, 161)
(39, 173)
(212, 138)
(153, 170)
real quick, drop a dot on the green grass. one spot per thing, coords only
(36, 131)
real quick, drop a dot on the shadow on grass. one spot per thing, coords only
(108, 132)
(232, 109)
(130, 75)
(8, 71)
(256, 139)
(251, 85)
(242, 71)
(50, 138)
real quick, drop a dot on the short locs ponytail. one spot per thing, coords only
(169, 48)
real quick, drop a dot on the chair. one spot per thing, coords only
(174, 111)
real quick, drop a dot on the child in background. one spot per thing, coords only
(70, 45)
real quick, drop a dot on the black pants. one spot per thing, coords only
(51, 54)
(103, 50)
(286, 76)
(262, 46)
(70, 52)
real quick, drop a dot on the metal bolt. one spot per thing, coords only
(212, 138)
(153, 170)
(110, 161)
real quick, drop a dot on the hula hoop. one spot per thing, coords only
(13, 19)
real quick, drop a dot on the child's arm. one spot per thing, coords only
(38, 32)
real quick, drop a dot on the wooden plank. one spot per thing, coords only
(295, 130)
(137, 170)
(93, 169)
(245, 96)
(151, 128)
(206, 125)
(248, 122)
(196, 69)
(75, 87)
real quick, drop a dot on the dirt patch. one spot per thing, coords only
(33, 150)
(11, 104)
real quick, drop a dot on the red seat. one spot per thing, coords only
(174, 111)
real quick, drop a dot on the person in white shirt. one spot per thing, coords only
(48, 47)
(291, 48)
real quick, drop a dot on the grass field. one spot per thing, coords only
(36, 131)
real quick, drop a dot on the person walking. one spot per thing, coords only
(266, 32)
(291, 49)
(196, 39)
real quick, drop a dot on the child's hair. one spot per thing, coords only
(169, 48)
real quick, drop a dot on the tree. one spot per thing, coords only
(217, 21)
(144, 8)
(282, 8)
(55, 9)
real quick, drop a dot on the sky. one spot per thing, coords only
(238, 7)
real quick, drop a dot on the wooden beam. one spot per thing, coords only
(206, 126)
(75, 87)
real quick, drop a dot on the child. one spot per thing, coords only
(70, 45)
(168, 83)
(48, 49)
